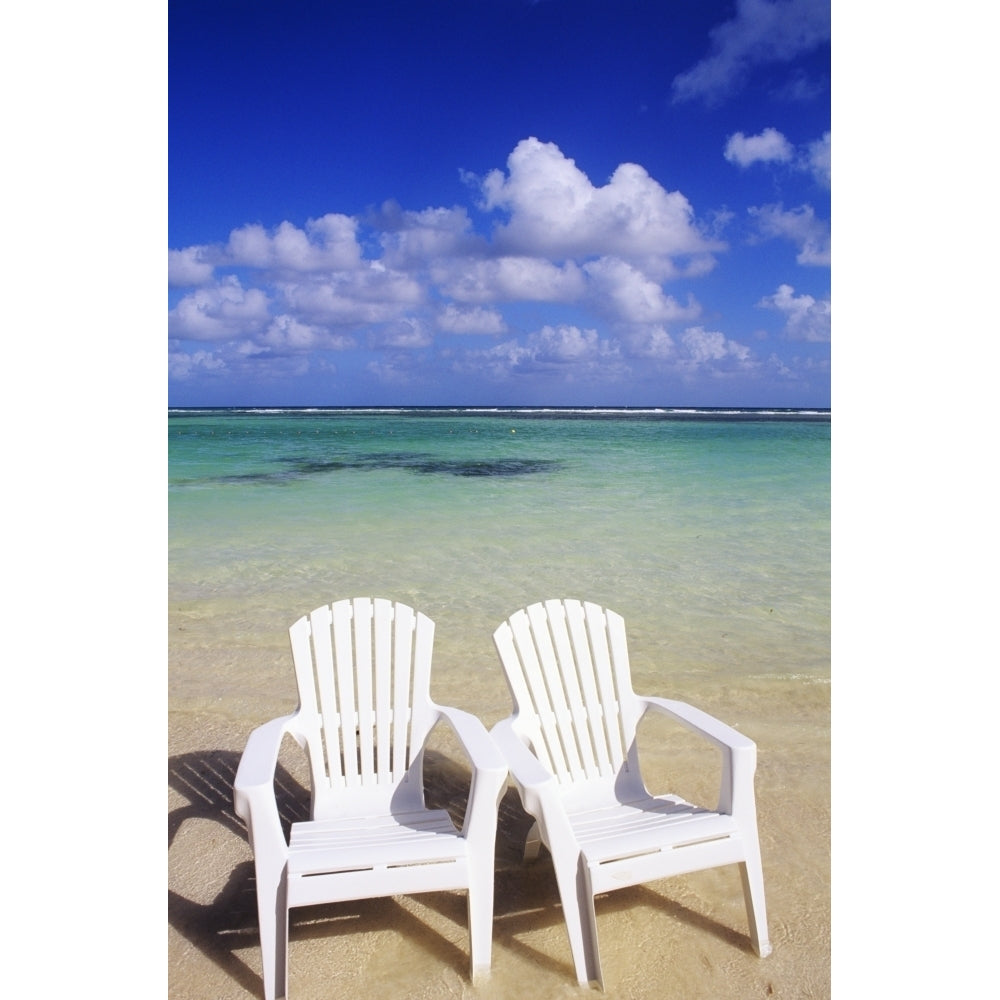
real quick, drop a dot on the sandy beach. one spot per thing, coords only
(684, 937)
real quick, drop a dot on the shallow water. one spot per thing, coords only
(714, 533)
(710, 536)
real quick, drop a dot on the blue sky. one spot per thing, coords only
(592, 202)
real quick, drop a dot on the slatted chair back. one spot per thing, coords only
(567, 667)
(363, 672)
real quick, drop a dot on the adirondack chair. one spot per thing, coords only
(364, 715)
(571, 749)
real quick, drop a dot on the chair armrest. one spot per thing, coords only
(723, 736)
(489, 771)
(539, 789)
(530, 776)
(739, 752)
(253, 787)
(476, 741)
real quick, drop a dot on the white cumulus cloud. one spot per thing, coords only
(568, 343)
(509, 279)
(220, 312)
(564, 349)
(328, 243)
(412, 239)
(477, 320)
(555, 211)
(800, 226)
(769, 146)
(818, 160)
(704, 346)
(806, 318)
(369, 295)
(287, 335)
(625, 293)
(189, 267)
(647, 341)
(185, 365)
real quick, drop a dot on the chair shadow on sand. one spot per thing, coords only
(526, 896)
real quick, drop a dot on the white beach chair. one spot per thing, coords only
(570, 746)
(363, 673)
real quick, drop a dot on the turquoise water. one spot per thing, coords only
(708, 532)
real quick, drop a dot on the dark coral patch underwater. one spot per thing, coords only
(420, 463)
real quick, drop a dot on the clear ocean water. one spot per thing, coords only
(709, 531)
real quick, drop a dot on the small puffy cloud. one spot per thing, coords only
(565, 349)
(800, 226)
(770, 146)
(477, 320)
(555, 211)
(326, 244)
(287, 335)
(709, 346)
(184, 366)
(817, 160)
(497, 363)
(652, 342)
(563, 343)
(806, 318)
(251, 246)
(238, 360)
(221, 312)
(763, 32)
(189, 267)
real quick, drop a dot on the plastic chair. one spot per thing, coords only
(363, 673)
(570, 746)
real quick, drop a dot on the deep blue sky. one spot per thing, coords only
(614, 202)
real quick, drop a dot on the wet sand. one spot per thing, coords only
(684, 937)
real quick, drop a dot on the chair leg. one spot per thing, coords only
(480, 900)
(532, 844)
(581, 922)
(272, 917)
(752, 875)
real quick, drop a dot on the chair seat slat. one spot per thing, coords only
(626, 830)
(373, 841)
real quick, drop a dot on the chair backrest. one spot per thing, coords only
(363, 672)
(566, 664)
